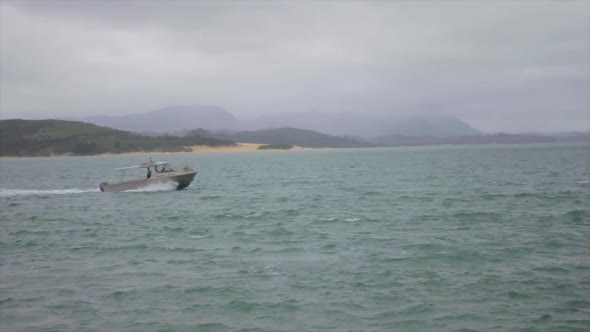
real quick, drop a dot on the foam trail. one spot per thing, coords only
(33, 192)
(164, 186)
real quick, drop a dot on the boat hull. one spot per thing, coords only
(183, 179)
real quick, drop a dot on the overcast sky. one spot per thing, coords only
(501, 66)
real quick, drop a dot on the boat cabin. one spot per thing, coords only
(160, 168)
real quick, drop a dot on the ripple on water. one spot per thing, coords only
(211, 327)
(578, 216)
(280, 231)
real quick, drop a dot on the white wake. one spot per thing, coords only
(166, 186)
(34, 192)
(163, 186)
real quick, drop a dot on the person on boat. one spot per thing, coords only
(149, 173)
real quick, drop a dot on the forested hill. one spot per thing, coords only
(50, 137)
(291, 136)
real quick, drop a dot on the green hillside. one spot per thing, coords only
(286, 136)
(49, 137)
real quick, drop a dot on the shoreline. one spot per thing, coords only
(239, 147)
(197, 149)
(252, 147)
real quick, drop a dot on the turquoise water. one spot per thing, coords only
(492, 238)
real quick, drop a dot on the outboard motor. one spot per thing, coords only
(102, 186)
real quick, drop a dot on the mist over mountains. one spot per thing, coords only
(214, 118)
(170, 119)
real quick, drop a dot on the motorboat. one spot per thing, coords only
(163, 173)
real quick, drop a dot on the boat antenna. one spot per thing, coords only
(150, 158)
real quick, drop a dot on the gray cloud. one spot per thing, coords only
(513, 66)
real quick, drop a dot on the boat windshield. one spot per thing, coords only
(163, 168)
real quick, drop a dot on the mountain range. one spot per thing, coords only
(48, 137)
(214, 118)
(318, 129)
(365, 125)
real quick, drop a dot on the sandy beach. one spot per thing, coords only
(239, 147)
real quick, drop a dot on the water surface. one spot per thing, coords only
(490, 238)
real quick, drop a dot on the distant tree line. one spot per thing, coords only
(275, 147)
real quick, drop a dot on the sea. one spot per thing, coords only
(448, 238)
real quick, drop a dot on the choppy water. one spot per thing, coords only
(413, 239)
